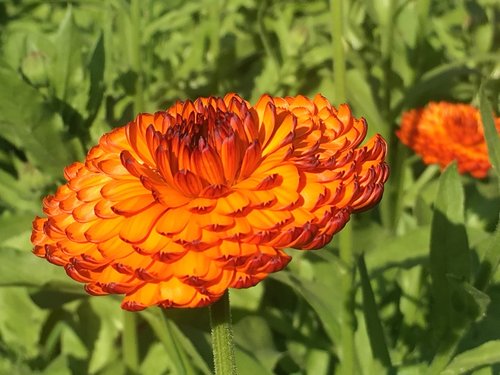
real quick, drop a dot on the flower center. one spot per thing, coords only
(207, 148)
(464, 128)
(202, 129)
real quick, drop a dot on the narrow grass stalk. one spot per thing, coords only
(376, 334)
(348, 354)
(214, 14)
(129, 342)
(222, 337)
(164, 330)
(347, 318)
(339, 76)
(445, 352)
(266, 43)
(390, 205)
(136, 54)
(386, 49)
(397, 155)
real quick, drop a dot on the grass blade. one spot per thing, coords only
(490, 132)
(373, 324)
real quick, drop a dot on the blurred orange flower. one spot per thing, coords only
(178, 206)
(442, 132)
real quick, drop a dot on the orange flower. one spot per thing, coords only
(442, 132)
(178, 206)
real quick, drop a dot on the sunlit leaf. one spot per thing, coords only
(490, 132)
(18, 269)
(325, 301)
(486, 354)
(376, 334)
(450, 258)
(20, 321)
(30, 123)
(259, 343)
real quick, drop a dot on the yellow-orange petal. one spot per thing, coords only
(234, 203)
(102, 230)
(173, 221)
(171, 293)
(137, 228)
(133, 205)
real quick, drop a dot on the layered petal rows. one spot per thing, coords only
(442, 132)
(178, 206)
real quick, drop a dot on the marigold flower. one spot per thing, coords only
(178, 206)
(442, 132)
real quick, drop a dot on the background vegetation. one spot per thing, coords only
(421, 292)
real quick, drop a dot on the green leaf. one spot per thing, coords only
(174, 342)
(449, 252)
(117, 367)
(490, 132)
(105, 350)
(479, 301)
(22, 268)
(324, 300)
(360, 95)
(439, 77)
(58, 366)
(259, 342)
(483, 355)
(449, 259)
(317, 361)
(376, 334)
(151, 364)
(248, 299)
(490, 261)
(67, 57)
(247, 364)
(15, 228)
(17, 193)
(173, 19)
(50, 297)
(31, 124)
(96, 69)
(190, 350)
(73, 345)
(20, 322)
(403, 251)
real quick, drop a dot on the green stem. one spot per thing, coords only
(347, 352)
(129, 342)
(347, 318)
(386, 50)
(165, 331)
(136, 54)
(222, 337)
(396, 154)
(427, 175)
(214, 13)
(397, 160)
(339, 70)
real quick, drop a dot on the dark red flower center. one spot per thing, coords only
(205, 149)
(463, 128)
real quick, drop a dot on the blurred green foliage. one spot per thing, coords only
(426, 300)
